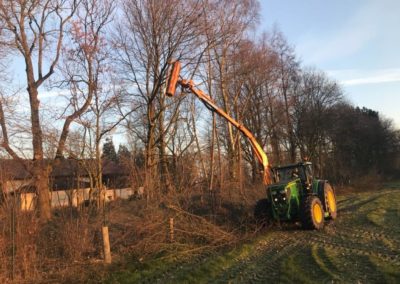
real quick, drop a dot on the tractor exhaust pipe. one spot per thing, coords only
(172, 79)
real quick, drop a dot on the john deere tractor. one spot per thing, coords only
(293, 193)
(296, 195)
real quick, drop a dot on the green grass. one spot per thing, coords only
(362, 245)
(178, 271)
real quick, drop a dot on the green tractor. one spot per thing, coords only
(296, 195)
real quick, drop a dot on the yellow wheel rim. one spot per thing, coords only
(317, 212)
(331, 201)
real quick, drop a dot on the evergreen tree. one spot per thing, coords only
(109, 152)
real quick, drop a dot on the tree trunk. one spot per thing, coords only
(231, 137)
(40, 174)
(99, 179)
(292, 145)
(165, 181)
(41, 182)
(150, 170)
(275, 148)
(211, 178)
(276, 152)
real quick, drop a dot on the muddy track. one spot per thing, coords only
(362, 245)
(265, 261)
(355, 247)
(348, 242)
(267, 264)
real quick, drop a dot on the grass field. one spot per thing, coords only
(361, 246)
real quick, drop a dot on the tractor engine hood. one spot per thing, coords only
(282, 196)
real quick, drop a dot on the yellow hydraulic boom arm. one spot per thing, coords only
(172, 82)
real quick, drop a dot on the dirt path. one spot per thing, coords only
(362, 245)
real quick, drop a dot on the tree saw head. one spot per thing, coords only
(172, 78)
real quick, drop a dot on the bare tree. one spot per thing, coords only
(153, 33)
(231, 20)
(287, 69)
(95, 99)
(36, 30)
(258, 105)
(317, 94)
(84, 64)
(85, 60)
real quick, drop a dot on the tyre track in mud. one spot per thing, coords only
(353, 247)
(346, 250)
(344, 239)
(266, 262)
(372, 238)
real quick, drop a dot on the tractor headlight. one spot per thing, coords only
(282, 194)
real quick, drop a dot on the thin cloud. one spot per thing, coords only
(373, 21)
(353, 77)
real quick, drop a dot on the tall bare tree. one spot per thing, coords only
(287, 70)
(87, 72)
(232, 20)
(36, 30)
(151, 34)
(258, 103)
(316, 96)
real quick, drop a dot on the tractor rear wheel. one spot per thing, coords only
(330, 201)
(262, 211)
(312, 213)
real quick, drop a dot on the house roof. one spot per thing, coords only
(12, 169)
(19, 170)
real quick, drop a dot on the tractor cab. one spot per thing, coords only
(302, 171)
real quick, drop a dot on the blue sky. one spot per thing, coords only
(357, 42)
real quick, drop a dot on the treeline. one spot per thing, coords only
(107, 62)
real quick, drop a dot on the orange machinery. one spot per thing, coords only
(174, 80)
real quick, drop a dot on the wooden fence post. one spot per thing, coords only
(171, 229)
(106, 245)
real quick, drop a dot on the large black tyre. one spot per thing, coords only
(330, 201)
(312, 213)
(262, 212)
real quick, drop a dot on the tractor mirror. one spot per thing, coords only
(172, 79)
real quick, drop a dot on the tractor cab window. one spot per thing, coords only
(302, 173)
(283, 175)
(309, 173)
(290, 173)
(309, 170)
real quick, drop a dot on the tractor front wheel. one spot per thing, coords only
(262, 212)
(312, 213)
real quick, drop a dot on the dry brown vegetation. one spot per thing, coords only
(34, 252)
(69, 247)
